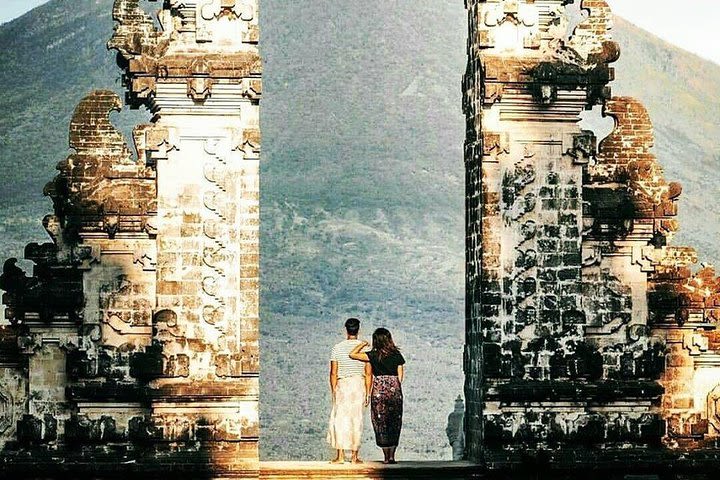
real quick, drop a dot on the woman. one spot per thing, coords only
(383, 387)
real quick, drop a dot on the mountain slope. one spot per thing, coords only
(362, 179)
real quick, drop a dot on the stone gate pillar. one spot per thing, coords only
(199, 73)
(557, 355)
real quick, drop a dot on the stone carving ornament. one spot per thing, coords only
(212, 9)
(515, 11)
(713, 408)
(7, 413)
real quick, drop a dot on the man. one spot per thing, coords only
(349, 395)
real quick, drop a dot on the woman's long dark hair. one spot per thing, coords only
(383, 343)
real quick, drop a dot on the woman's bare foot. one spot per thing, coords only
(356, 460)
(337, 461)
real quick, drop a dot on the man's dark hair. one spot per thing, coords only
(352, 325)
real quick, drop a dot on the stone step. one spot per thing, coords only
(369, 470)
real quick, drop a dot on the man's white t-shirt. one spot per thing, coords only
(347, 367)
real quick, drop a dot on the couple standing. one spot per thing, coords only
(360, 377)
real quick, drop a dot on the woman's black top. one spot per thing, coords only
(385, 366)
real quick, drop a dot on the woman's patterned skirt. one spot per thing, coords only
(386, 405)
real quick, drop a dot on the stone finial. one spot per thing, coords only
(135, 32)
(100, 186)
(625, 159)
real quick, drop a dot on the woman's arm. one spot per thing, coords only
(356, 354)
(368, 383)
(401, 372)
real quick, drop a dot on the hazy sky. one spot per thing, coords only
(690, 26)
(10, 9)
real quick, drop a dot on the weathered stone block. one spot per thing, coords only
(32, 430)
